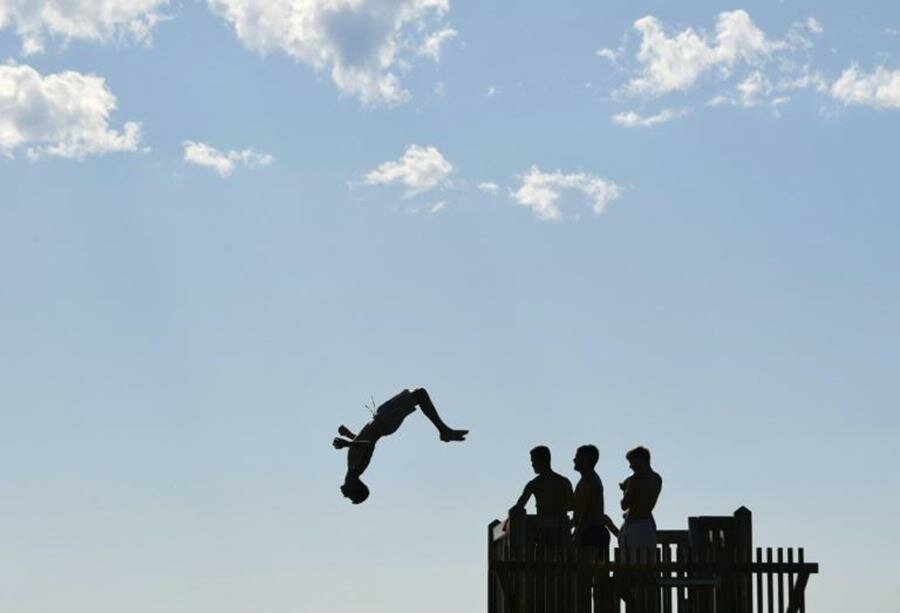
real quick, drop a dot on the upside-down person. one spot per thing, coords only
(387, 419)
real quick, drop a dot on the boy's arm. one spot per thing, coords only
(358, 443)
(627, 494)
(339, 443)
(523, 499)
(610, 525)
(569, 497)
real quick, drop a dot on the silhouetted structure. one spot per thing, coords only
(708, 568)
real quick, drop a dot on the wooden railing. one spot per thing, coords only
(525, 577)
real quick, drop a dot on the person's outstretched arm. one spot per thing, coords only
(523, 499)
(611, 526)
(339, 443)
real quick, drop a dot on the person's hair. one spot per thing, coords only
(591, 454)
(355, 490)
(639, 453)
(541, 454)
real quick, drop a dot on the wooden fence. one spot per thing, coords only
(525, 576)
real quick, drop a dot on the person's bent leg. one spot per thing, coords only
(423, 400)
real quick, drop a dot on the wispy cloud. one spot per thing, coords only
(489, 187)
(433, 44)
(223, 163)
(92, 20)
(632, 119)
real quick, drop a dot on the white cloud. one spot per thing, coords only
(437, 207)
(676, 63)
(223, 163)
(808, 80)
(492, 91)
(541, 191)
(360, 42)
(421, 169)
(64, 114)
(610, 55)
(754, 89)
(94, 20)
(631, 119)
(814, 25)
(880, 89)
(431, 46)
(489, 187)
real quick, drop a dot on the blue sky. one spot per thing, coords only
(225, 225)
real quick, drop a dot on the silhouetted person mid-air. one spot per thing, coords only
(640, 492)
(552, 496)
(589, 518)
(387, 419)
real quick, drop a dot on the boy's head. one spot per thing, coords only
(355, 490)
(638, 458)
(540, 459)
(586, 458)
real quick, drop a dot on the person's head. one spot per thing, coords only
(638, 458)
(586, 458)
(355, 490)
(540, 459)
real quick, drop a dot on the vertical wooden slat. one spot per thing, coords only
(780, 580)
(803, 593)
(490, 561)
(558, 573)
(522, 580)
(529, 578)
(759, 583)
(689, 593)
(541, 599)
(666, 593)
(790, 576)
(622, 580)
(770, 596)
